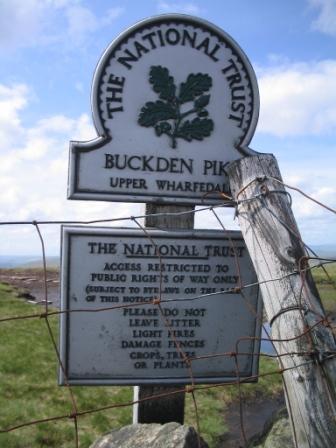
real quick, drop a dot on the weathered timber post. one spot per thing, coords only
(304, 342)
(170, 408)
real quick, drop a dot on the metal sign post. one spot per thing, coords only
(174, 100)
(171, 407)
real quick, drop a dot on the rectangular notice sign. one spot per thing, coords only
(115, 331)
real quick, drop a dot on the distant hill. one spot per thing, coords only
(27, 261)
(325, 250)
(35, 261)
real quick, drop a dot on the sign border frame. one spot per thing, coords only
(104, 136)
(64, 325)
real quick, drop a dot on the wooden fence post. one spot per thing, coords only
(169, 408)
(306, 344)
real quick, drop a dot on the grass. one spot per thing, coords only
(326, 284)
(29, 390)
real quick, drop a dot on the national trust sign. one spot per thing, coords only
(174, 100)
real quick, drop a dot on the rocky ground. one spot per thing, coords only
(257, 415)
(30, 284)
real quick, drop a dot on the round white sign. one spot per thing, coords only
(174, 100)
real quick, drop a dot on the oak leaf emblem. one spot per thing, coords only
(168, 115)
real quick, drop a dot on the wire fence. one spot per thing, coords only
(77, 414)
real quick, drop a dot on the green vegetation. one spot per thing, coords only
(29, 390)
(326, 285)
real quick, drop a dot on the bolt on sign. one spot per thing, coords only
(113, 330)
(174, 99)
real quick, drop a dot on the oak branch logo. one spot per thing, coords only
(169, 114)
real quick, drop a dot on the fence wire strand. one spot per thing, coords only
(299, 358)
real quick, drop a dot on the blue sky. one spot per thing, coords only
(49, 50)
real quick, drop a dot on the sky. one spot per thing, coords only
(49, 50)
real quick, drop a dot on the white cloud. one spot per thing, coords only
(182, 7)
(54, 124)
(12, 100)
(308, 208)
(61, 3)
(112, 14)
(36, 148)
(79, 86)
(81, 21)
(326, 20)
(83, 129)
(21, 22)
(316, 178)
(27, 23)
(298, 99)
(34, 172)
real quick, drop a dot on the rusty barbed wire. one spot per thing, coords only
(321, 204)
(310, 356)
